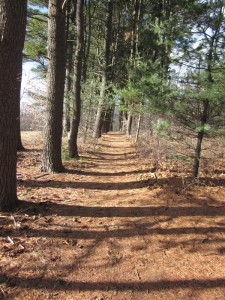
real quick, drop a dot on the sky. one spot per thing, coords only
(29, 78)
(30, 82)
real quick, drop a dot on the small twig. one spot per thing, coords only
(42, 175)
(14, 221)
(183, 182)
(192, 183)
(3, 293)
(4, 217)
(10, 240)
(64, 3)
(20, 211)
(21, 247)
(138, 275)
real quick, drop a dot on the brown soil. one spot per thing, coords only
(107, 229)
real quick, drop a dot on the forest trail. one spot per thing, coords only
(101, 233)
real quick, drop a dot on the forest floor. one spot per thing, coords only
(106, 228)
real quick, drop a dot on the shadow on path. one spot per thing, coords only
(60, 284)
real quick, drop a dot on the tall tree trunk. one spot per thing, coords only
(69, 66)
(18, 90)
(87, 38)
(134, 32)
(133, 54)
(106, 71)
(12, 32)
(51, 159)
(73, 149)
(68, 87)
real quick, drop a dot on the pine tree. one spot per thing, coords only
(76, 95)
(51, 158)
(12, 28)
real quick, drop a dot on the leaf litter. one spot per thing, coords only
(107, 229)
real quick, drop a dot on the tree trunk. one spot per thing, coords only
(18, 90)
(129, 124)
(69, 66)
(68, 87)
(204, 116)
(12, 32)
(98, 120)
(107, 122)
(197, 154)
(138, 128)
(120, 121)
(73, 149)
(124, 120)
(87, 37)
(51, 159)
(133, 53)
(134, 32)
(106, 71)
(199, 140)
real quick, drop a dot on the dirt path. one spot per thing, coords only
(100, 233)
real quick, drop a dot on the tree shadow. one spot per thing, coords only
(172, 182)
(49, 208)
(58, 284)
(113, 147)
(111, 156)
(93, 173)
(107, 234)
(85, 185)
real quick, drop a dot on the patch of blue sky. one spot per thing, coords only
(42, 8)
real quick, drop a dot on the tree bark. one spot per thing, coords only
(200, 136)
(12, 32)
(51, 158)
(133, 53)
(73, 149)
(134, 32)
(68, 87)
(106, 71)
(87, 38)
(138, 128)
(69, 66)
(129, 124)
(98, 120)
(107, 121)
(124, 121)
(18, 90)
